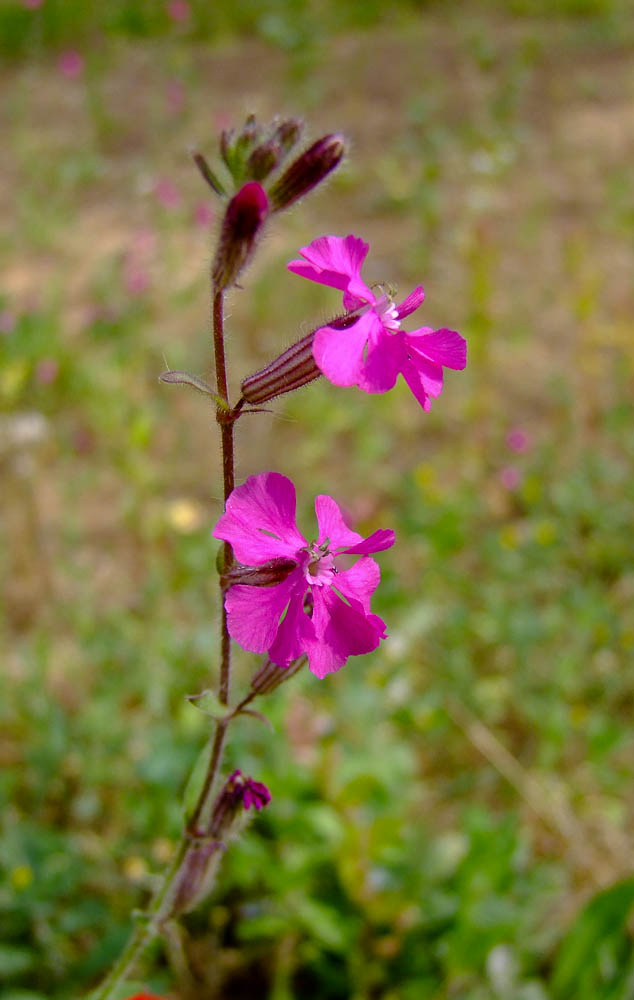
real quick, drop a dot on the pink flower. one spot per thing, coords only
(136, 279)
(203, 214)
(167, 194)
(175, 96)
(320, 609)
(374, 350)
(71, 64)
(7, 321)
(32, 4)
(47, 371)
(510, 477)
(179, 10)
(518, 440)
(249, 792)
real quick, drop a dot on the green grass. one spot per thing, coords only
(451, 815)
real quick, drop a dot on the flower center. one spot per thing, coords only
(385, 309)
(318, 564)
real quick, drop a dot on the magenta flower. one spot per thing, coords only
(46, 371)
(519, 440)
(166, 193)
(374, 350)
(179, 10)
(249, 792)
(511, 478)
(320, 609)
(71, 64)
(203, 214)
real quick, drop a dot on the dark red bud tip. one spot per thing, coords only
(308, 170)
(244, 216)
(247, 211)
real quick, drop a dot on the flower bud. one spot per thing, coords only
(291, 370)
(245, 214)
(238, 793)
(268, 574)
(308, 170)
(263, 160)
(287, 133)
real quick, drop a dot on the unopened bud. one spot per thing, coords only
(239, 793)
(308, 170)
(263, 160)
(288, 132)
(268, 574)
(291, 370)
(243, 218)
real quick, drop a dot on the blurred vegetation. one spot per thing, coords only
(452, 816)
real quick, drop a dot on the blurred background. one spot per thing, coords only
(452, 816)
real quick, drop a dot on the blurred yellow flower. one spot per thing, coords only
(21, 877)
(184, 515)
(135, 868)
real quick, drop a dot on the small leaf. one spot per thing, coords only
(209, 703)
(186, 378)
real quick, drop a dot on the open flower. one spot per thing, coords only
(374, 350)
(320, 609)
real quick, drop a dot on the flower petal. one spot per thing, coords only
(444, 347)
(339, 353)
(253, 613)
(424, 379)
(382, 538)
(341, 630)
(259, 521)
(335, 261)
(359, 582)
(411, 303)
(290, 641)
(332, 525)
(385, 358)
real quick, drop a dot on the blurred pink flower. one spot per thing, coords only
(83, 440)
(7, 321)
(510, 477)
(175, 96)
(47, 371)
(136, 279)
(32, 4)
(221, 120)
(143, 241)
(203, 214)
(373, 350)
(518, 440)
(167, 194)
(320, 609)
(71, 64)
(179, 10)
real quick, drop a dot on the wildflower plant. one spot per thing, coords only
(292, 600)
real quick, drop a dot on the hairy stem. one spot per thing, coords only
(159, 910)
(226, 421)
